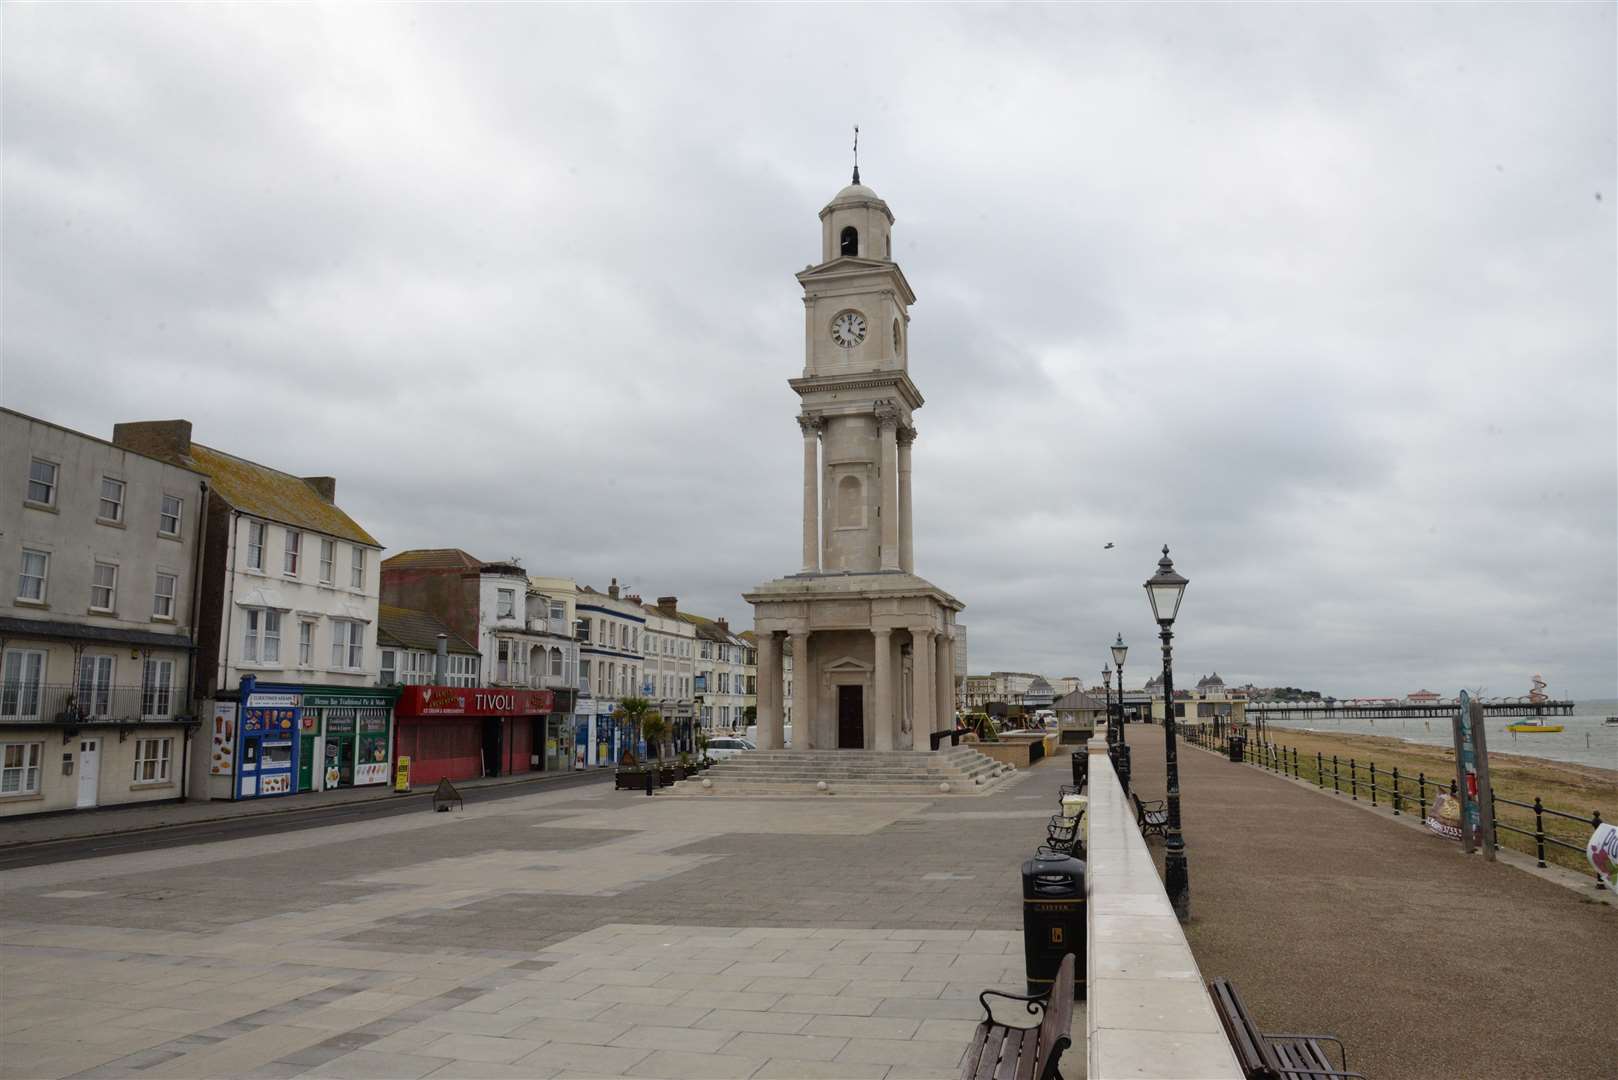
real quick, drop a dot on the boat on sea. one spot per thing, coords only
(1611, 721)
(1533, 725)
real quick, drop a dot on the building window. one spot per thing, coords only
(556, 662)
(506, 604)
(584, 675)
(31, 578)
(328, 558)
(724, 715)
(23, 676)
(707, 650)
(42, 482)
(584, 630)
(261, 636)
(255, 546)
(502, 663)
(848, 241)
(356, 570)
(19, 768)
(104, 587)
(306, 643)
(348, 642)
(95, 685)
(463, 670)
(168, 516)
(152, 760)
(390, 670)
(112, 500)
(163, 597)
(558, 610)
(289, 558)
(157, 691)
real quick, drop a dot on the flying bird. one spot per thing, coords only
(1108, 547)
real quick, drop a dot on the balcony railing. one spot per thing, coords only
(23, 703)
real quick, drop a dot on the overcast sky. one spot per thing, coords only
(1323, 297)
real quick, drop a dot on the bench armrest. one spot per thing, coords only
(1035, 1005)
(1342, 1051)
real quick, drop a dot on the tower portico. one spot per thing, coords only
(870, 640)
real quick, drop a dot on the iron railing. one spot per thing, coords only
(1386, 787)
(35, 704)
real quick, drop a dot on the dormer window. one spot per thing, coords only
(849, 243)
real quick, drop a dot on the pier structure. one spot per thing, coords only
(1376, 710)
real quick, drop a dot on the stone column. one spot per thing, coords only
(804, 716)
(882, 707)
(810, 425)
(907, 552)
(944, 683)
(769, 691)
(887, 418)
(921, 651)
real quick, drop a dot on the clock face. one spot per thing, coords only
(848, 329)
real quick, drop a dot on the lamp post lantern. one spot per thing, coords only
(1119, 651)
(1165, 590)
(1106, 682)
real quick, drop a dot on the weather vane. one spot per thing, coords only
(856, 153)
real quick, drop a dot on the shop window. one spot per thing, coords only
(152, 759)
(19, 768)
(42, 482)
(168, 516)
(157, 690)
(111, 507)
(24, 674)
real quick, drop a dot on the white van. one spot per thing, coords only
(752, 734)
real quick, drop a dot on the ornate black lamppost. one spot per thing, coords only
(1119, 651)
(1106, 682)
(1164, 589)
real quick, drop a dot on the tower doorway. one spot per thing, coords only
(851, 718)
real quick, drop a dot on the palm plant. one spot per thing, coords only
(655, 729)
(635, 712)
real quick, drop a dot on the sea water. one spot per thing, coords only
(1585, 738)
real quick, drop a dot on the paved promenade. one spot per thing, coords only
(581, 932)
(1427, 964)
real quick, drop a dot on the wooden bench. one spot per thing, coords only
(1002, 1052)
(1152, 817)
(1271, 1057)
(1063, 835)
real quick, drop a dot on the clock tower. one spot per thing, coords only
(873, 645)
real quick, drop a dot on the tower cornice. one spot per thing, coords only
(864, 383)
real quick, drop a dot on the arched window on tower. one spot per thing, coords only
(850, 241)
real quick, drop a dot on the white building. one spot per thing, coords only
(668, 675)
(100, 549)
(608, 627)
(287, 641)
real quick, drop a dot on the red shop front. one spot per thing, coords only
(465, 732)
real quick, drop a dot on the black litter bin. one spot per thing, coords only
(1237, 745)
(1081, 767)
(1053, 918)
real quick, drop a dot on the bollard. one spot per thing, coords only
(651, 781)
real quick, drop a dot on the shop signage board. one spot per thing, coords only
(272, 701)
(224, 739)
(401, 778)
(471, 701)
(347, 701)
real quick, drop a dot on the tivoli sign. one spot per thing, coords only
(473, 701)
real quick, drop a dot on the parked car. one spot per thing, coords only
(728, 746)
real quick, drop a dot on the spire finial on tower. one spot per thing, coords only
(856, 153)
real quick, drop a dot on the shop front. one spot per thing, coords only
(292, 738)
(463, 733)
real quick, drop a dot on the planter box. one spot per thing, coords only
(1019, 750)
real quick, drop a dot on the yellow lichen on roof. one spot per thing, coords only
(275, 495)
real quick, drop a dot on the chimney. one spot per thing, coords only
(668, 605)
(612, 590)
(724, 627)
(325, 486)
(441, 660)
(634, 598)
(165, 440)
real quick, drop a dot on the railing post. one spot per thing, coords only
(1595, 822)
(1397, 800)
(1539, 829)
(1421, 805)
(1494, 821)
(1294, 763)
(1353, 780)
(1320, 771)
(1336, 789)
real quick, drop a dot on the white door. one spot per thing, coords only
(89, 771)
